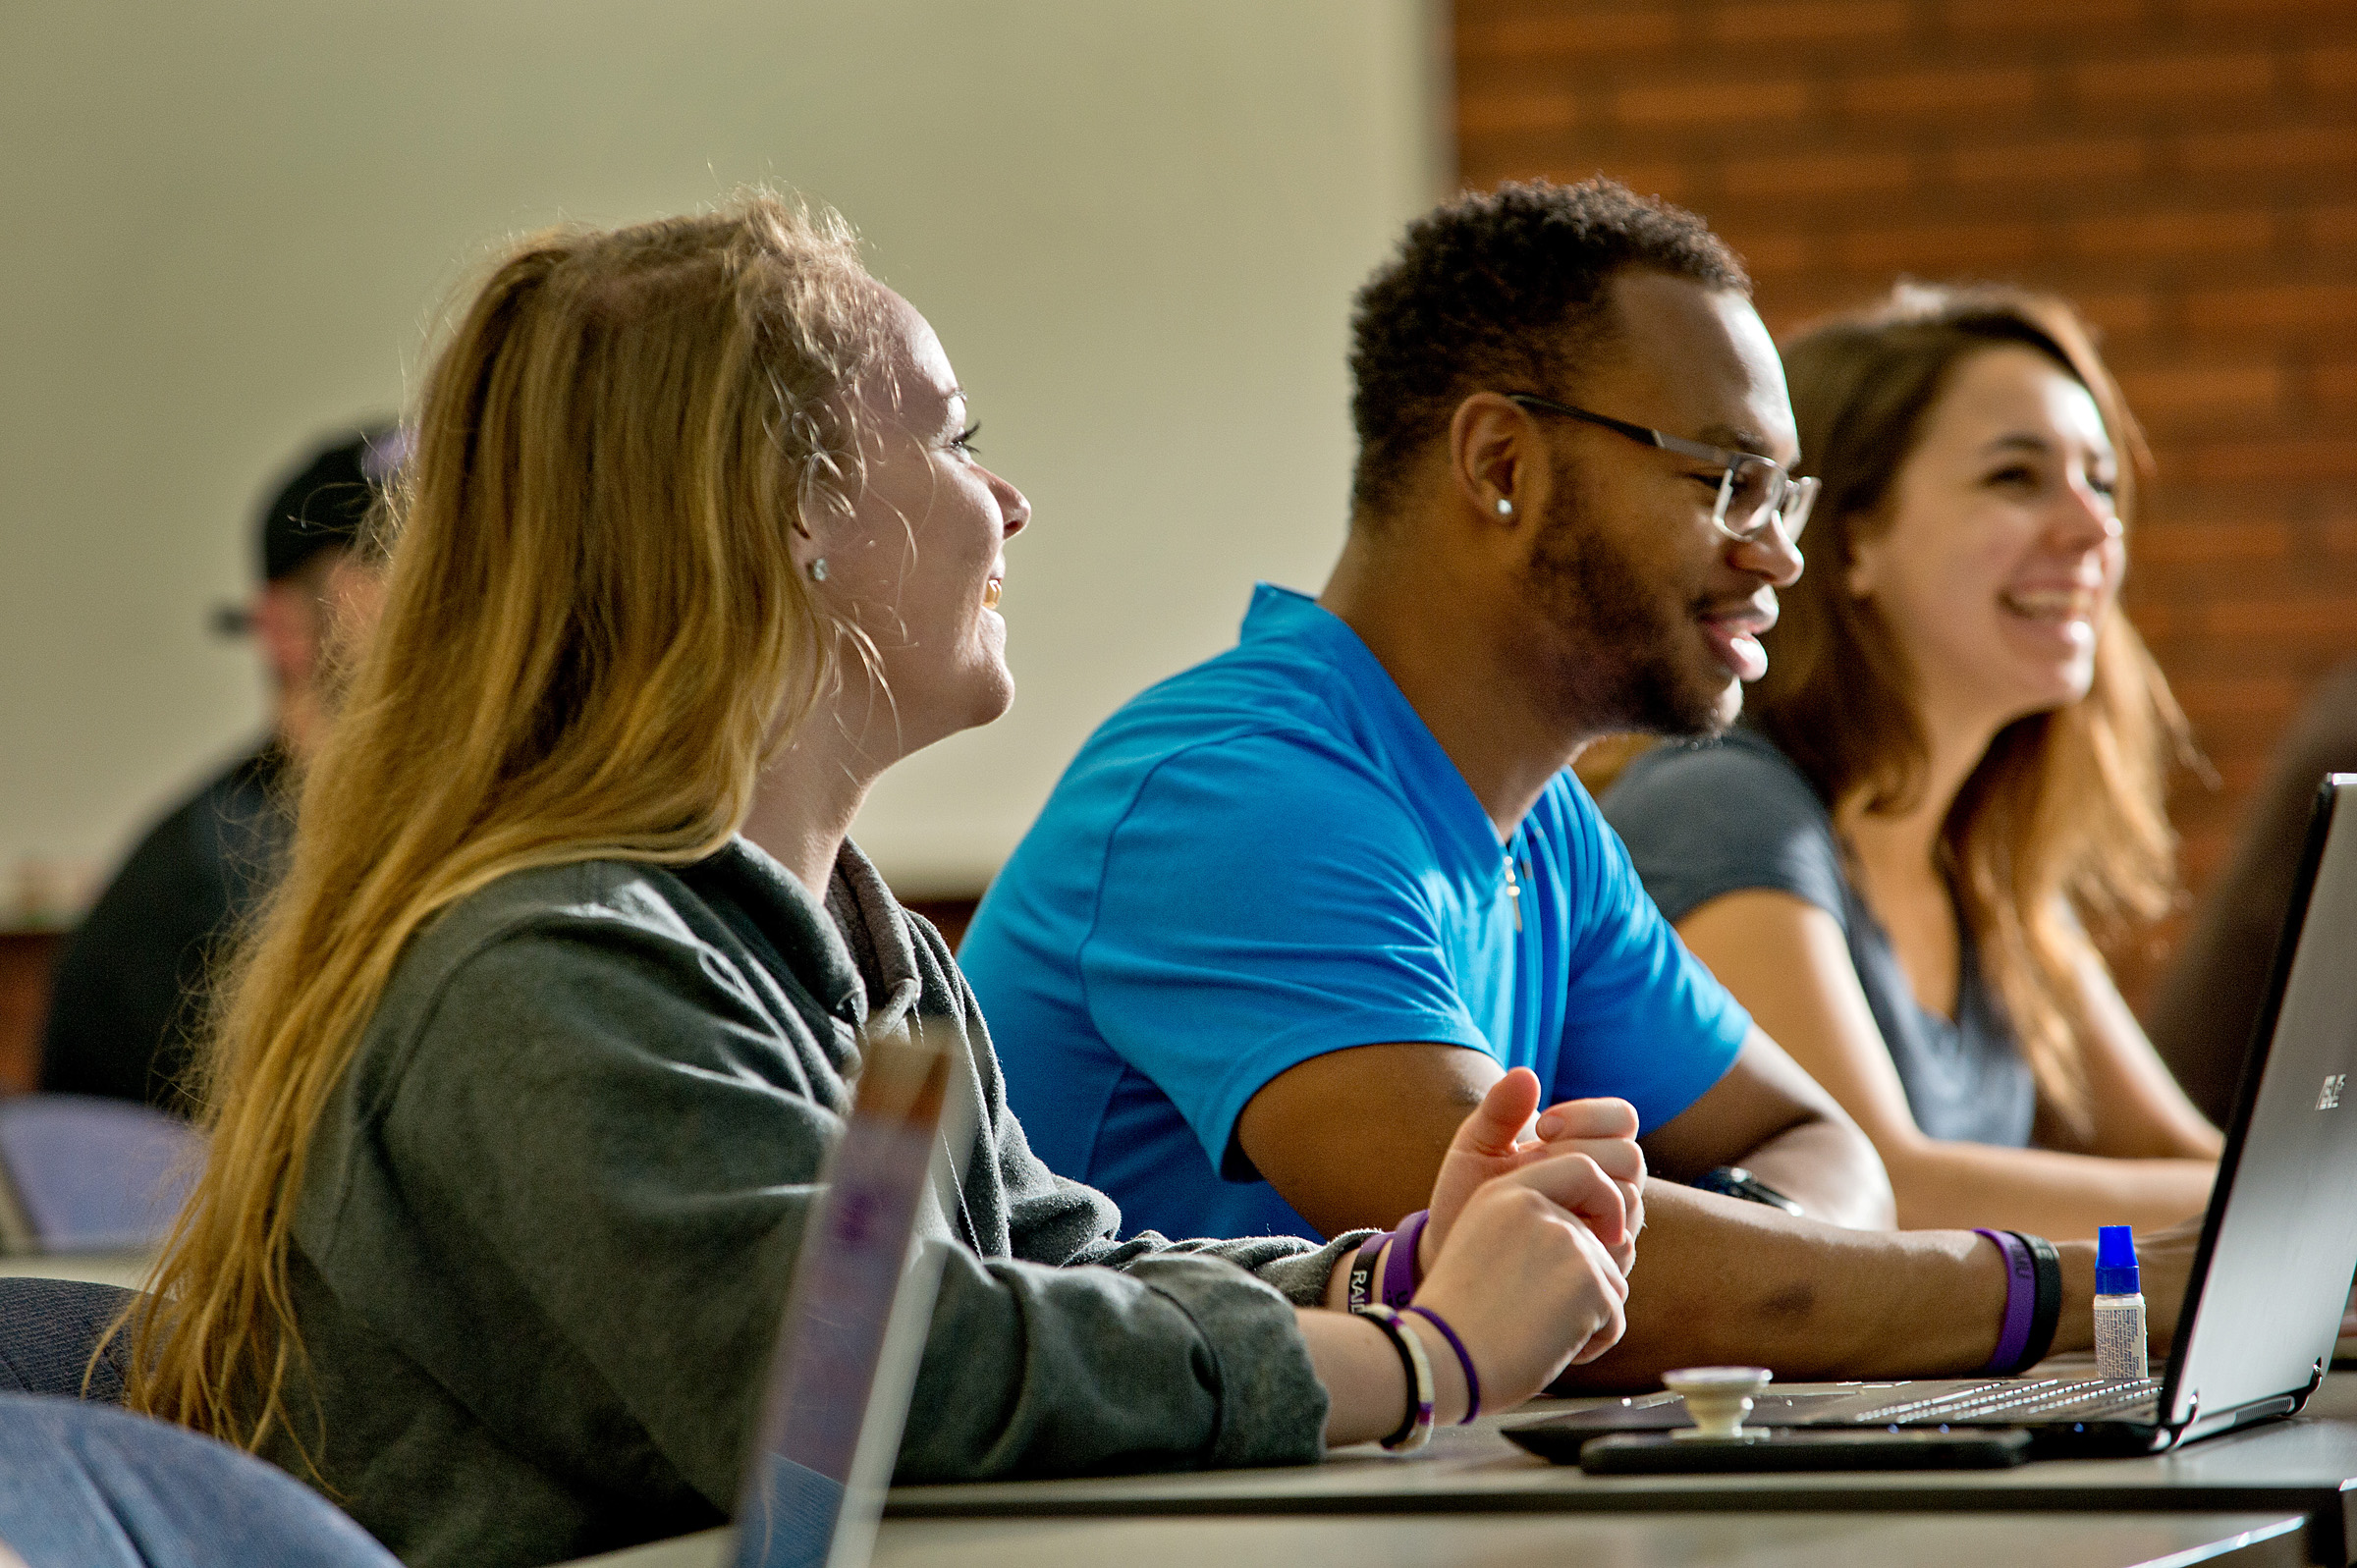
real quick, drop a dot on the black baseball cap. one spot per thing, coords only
(325, 505)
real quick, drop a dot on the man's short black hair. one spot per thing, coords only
(1499, 290)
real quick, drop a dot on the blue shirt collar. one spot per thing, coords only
(1461, 832)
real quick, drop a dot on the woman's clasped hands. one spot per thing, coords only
(1531, 1238)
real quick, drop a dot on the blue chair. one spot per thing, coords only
(85, 1486)
(85, 1174)
(47, 1330)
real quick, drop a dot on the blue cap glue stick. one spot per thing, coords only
(2118, 1306)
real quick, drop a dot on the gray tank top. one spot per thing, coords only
(1702, 821)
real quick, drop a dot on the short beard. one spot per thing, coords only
(1626, 635)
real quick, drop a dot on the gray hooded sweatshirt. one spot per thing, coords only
(547, 1225)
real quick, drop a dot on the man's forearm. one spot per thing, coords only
(1831, 1170)
(1767, 1116)
(1720, 1282)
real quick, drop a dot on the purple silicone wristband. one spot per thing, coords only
(1400, 1273)
(1464, 1359)
(1362, 1270)
(2021, 1303)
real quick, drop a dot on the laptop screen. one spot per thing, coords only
(2279, 1242)
(855, 1319)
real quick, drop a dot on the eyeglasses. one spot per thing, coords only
(1753, 491)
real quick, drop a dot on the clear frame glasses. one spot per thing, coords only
(1754, 492)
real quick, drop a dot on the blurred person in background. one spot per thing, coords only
(1951, 774)
(2204, 1013)
(130, 987)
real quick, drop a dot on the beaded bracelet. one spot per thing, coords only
(1464, 1359)
(1415, 1431)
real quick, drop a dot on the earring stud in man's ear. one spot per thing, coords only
(1505, 508)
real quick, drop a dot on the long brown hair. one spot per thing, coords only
(593, 634)
(2061, 830)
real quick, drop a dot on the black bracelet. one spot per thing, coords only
(1733, 1181)
(2045, 1313)
(1362, 1271)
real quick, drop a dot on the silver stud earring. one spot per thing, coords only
(1505, 508)
(818, 569)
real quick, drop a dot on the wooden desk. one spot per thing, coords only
(1657, 1540)
(24, 961)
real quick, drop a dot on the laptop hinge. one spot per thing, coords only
(2230, 1417)
(2316, 1380)
(2179, 1431)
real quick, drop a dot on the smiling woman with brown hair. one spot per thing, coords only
(521, 1090)
(1951, 774)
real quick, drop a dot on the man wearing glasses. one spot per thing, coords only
(1290, 915)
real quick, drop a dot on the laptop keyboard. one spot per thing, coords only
(2011, 1400)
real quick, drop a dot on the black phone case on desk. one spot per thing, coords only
(1651, 1453)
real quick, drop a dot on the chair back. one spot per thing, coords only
(85, 1175)
(48, 1328)
(104, 1488)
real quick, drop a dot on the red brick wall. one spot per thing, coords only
(2187, 170)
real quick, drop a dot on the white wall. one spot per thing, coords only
(223, 228)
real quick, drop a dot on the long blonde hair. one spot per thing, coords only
(592, 636)
(2062, 828)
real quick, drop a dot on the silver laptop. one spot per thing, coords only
(2278, 1245)
(856, 1318)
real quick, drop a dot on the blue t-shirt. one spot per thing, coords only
(1270, 857)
